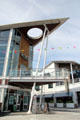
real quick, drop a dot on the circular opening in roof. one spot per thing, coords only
(35, 33)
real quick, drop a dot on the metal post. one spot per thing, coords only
(45, 52)
(5, 67)
(72, 73)
(39, 58)
(75, 98)
(54, 97)
(44, 64)
(32, 94)
(8, 99)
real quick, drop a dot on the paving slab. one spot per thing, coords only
(48, 116)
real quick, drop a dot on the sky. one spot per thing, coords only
(66, 37)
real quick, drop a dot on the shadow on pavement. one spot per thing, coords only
(2, 114)
(23, 113)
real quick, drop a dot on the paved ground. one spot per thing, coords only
(67, 109)
(53, 116)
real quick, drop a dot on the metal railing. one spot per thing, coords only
(61, 73)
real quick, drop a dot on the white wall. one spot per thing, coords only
(61, 88)
(49, 69)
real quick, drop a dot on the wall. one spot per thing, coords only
(24, 48)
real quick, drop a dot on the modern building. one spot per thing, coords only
(16, 58)
(59, 93)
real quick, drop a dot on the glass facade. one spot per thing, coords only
(3, 45)
(13, 99)
(21, 100)
(13, 61)
(14, 53)
(50, 85)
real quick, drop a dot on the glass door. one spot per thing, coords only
(25, 102)
(18, 102)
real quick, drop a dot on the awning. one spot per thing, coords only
(57, 95)
(46, 96)
(63, 94)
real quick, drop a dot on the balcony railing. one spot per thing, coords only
(48, 73)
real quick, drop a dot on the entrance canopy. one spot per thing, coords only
(27, 85)
(26, 82)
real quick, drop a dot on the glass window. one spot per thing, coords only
(2, 51)
(25, 99)
(30, 56)
(58, 83)
(3, 45)
(61, 83)
(50, 85)
(1, 68)
(14, 54)
(37, 88)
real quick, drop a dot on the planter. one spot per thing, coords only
(60, 105)
(70, 105)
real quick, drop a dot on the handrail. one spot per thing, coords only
(51, 72)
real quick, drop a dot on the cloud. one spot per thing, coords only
(13, 11)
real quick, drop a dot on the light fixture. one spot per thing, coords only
(35, 33)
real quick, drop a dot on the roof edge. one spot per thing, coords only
(32, 23)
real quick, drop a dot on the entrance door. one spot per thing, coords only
(18, 102)
(11, 102)
(25, 102)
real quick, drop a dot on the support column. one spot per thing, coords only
(72, 73)
(74, 93)
(38, 63)
(75, 99)
(7, 99)
(39, 58)
(41, 95)
(5, 67)
(44, 64)
(54, 101)
(45, 52)
(54, 97)
(32, 94)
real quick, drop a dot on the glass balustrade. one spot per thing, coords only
(32, 73)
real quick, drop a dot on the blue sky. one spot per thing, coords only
(68, 35)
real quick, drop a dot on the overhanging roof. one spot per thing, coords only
(27, 82)
(52, 25)
(66, 61)
(62, 62)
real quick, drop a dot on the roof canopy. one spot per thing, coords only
(66, 61)
(52, 25)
